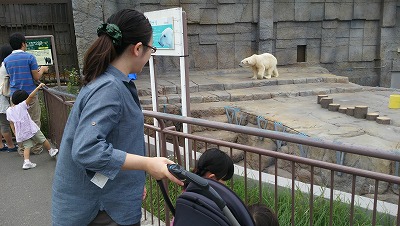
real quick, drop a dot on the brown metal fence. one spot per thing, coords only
(256, 183)
(58, 108)
(49, 17)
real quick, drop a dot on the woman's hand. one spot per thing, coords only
(157, 168)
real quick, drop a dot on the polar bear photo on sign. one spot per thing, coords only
(167, 38)
(263, 65)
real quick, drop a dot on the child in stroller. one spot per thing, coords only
(201, 202)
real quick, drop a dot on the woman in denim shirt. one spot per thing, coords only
(100, 173)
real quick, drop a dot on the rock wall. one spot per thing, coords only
(358, 39)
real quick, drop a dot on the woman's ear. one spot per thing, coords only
(136, 48)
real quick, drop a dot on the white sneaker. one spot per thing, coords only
(53, 152)
(28, 165)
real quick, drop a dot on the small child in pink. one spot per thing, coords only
(24, 128)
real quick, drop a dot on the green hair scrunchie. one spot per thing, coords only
(112, 31)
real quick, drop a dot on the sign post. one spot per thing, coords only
(170, 39)
(44, 49)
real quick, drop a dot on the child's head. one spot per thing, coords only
(5, 50)
(215, 164)
(19, 96)
(262, 215)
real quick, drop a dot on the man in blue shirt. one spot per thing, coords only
(24, 71)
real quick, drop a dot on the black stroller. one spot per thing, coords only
(206, 202)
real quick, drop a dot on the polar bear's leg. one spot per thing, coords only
(269, 73)
(254, 73)
(276, 74)
(261, 71)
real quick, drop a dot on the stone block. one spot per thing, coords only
(244, 28)
(288, 8)
(208, 39)
(371, 33)
(329, 24)
(265, 46)
(369, 53)
(292, 43)
(317, 11)
(355, 53)
(226, 29)
(205, 57)
(313, 50)
(328, 54)
(261, 96)
(226, 1)
(357, 24)
(396, 65)
(193, 13)
(328, 41)
(266, 29)
(289, 30)
(247, 37)
(285, 81)
(242, 50)
(345, 11)
(226, 55)
(226, 14)
(209, 16)
(313, 30)
(389, 14)
(343, 29)
(244, 12)
(286, 56)
(191, 2)
(302, 11)
(356, 33)
(170, 2)
(368, 10)
(299, 81)
(331, 12)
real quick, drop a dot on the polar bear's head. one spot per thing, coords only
(248, 62)
(167, 38)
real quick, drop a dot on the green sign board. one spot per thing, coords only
(41, 49)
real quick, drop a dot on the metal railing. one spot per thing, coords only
(164, 139)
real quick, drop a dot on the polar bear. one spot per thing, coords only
(263, 65)
(167, 38)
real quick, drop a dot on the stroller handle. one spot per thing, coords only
(187, 176)
(202, 183)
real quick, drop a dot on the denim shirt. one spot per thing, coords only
(105, 123)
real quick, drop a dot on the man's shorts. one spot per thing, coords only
(37, 138)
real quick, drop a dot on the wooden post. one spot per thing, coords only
(325, 101)
(350, 111)
(383, 120)
(360, 111)
(342, 110)
(372, 116)
(319, 97)
(333, 107)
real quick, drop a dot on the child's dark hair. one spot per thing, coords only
(216, 162)
(262, 215)
(16, 40)
(19, 96)
(5, 50)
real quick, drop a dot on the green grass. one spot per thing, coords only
(340, 216)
